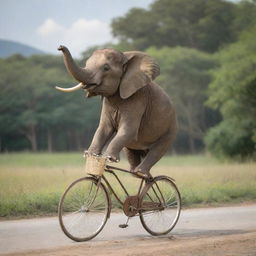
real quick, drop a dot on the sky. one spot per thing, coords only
(77, 24)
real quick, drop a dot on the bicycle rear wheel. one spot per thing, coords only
(160, 206)
(84, 209)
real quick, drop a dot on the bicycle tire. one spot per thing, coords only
(166, 206)
(87, 200)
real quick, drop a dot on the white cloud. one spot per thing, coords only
(77, 37)
(49, 27)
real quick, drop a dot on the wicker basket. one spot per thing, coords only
(95, 165)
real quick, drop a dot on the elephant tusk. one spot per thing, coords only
(71, 89)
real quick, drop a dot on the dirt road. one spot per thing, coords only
(227, 231)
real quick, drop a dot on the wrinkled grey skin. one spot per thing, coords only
(137, 115)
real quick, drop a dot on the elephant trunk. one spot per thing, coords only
(80, 74)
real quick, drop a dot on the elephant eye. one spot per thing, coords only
(106, 67)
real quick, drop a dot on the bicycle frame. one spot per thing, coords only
(148, 198)
(111, 170)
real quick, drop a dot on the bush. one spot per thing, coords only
(230, 140)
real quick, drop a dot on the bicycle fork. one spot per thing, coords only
(95, 194)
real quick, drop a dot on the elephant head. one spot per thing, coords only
(108, 70)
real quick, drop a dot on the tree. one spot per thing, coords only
(233, 92)
(33, 114)
(244, 16)
(200, 24)
(185, 75)
(14, 101)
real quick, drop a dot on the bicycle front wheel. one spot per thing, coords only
(160, 206)
(84, 209)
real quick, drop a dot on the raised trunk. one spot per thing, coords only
(80, 74)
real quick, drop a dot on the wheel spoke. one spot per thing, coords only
(74, 221)
(83, 209)
(160, 221)
(173, 204)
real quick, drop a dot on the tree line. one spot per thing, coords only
(206, 51)
(34, 115)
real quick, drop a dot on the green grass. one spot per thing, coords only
(46, 160)
(31, 184)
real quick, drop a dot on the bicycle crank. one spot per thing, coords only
(131, 205)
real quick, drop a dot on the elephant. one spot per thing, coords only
(137, 115)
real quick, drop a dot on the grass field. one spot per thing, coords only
(31, 184)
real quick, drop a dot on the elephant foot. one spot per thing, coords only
(111, 158)
(141, 173)
(91, 153)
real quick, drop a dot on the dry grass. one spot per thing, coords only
(33, 183)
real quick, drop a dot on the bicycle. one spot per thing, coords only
(85, 206)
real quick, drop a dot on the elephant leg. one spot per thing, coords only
(100, 138)
(157, 150)
(133, 157)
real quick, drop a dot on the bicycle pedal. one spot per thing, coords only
(123, 226)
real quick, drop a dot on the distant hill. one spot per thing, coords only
(8, 48)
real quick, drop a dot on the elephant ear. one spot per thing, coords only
(140, 70)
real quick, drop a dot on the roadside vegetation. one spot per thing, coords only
(31, 184)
